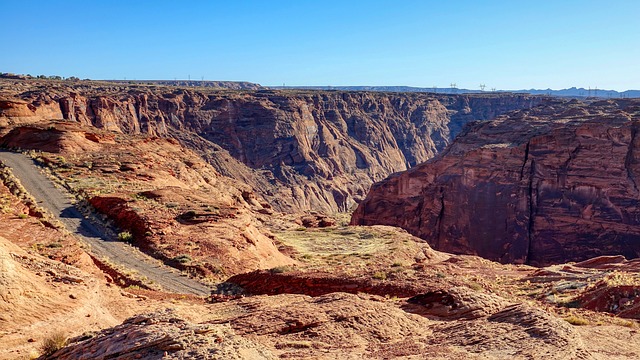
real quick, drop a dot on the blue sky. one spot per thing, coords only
(503, 44)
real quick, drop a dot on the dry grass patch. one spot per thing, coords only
(353, 246)
(576, 320)
(53, 343)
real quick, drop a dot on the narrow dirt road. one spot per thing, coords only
(58, 202)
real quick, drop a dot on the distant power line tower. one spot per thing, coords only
(454, 87)
(482, 86)
(435, 88)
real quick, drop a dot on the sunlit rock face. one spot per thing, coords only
(301, 150)
(552, 184)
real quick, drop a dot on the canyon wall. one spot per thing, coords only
(300, 150)
(549, 185)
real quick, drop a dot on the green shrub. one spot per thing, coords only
(125, 236)
(182, 259)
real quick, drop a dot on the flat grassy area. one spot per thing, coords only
(356, 246)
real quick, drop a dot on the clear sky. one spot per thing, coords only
(510, 44)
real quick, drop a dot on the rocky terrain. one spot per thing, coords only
(316, 150)
(174, 205)
(552, 184)
(179, 179)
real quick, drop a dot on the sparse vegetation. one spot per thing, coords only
(182, 259)
(295, 345)
(474, 286)
(620, 278)
(125, 236)
(625, 323)
(53, 343)
(380, 275)
(576, 320)
(280, 269)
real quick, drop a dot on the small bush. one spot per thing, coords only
(475, 286)
(623, 322)
(54, 246)
(125, 236)
(53, 343)
(280, 269)
(380, 275)
(23, 216)
(182, 259)
(576, 320)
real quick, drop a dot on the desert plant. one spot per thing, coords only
(623, 322)
(280, 269)
(125, 236)
(182, 259)
(576, 320)
(53, 343)
(380, 275)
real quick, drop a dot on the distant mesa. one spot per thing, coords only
(232, 85)
(569, 93)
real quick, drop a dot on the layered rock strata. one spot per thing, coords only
(300, 150)
(552, 184)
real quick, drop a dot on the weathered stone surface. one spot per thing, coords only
(553, 184)
(455, 303)
(162, 335)
(302, 150)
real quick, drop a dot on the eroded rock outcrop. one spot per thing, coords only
(162, 335)
(553, 184)
(301, 150)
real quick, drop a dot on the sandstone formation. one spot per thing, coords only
(348, 326)
(301, 150)
(176, 206)
(428, 304)
(552, 184)
(163, 335)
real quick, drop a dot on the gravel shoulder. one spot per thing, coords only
(58, 202)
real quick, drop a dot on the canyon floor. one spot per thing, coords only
(294, 284)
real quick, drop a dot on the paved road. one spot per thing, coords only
(58, 202)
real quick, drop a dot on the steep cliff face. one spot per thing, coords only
(549, 185)
(300, 150)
